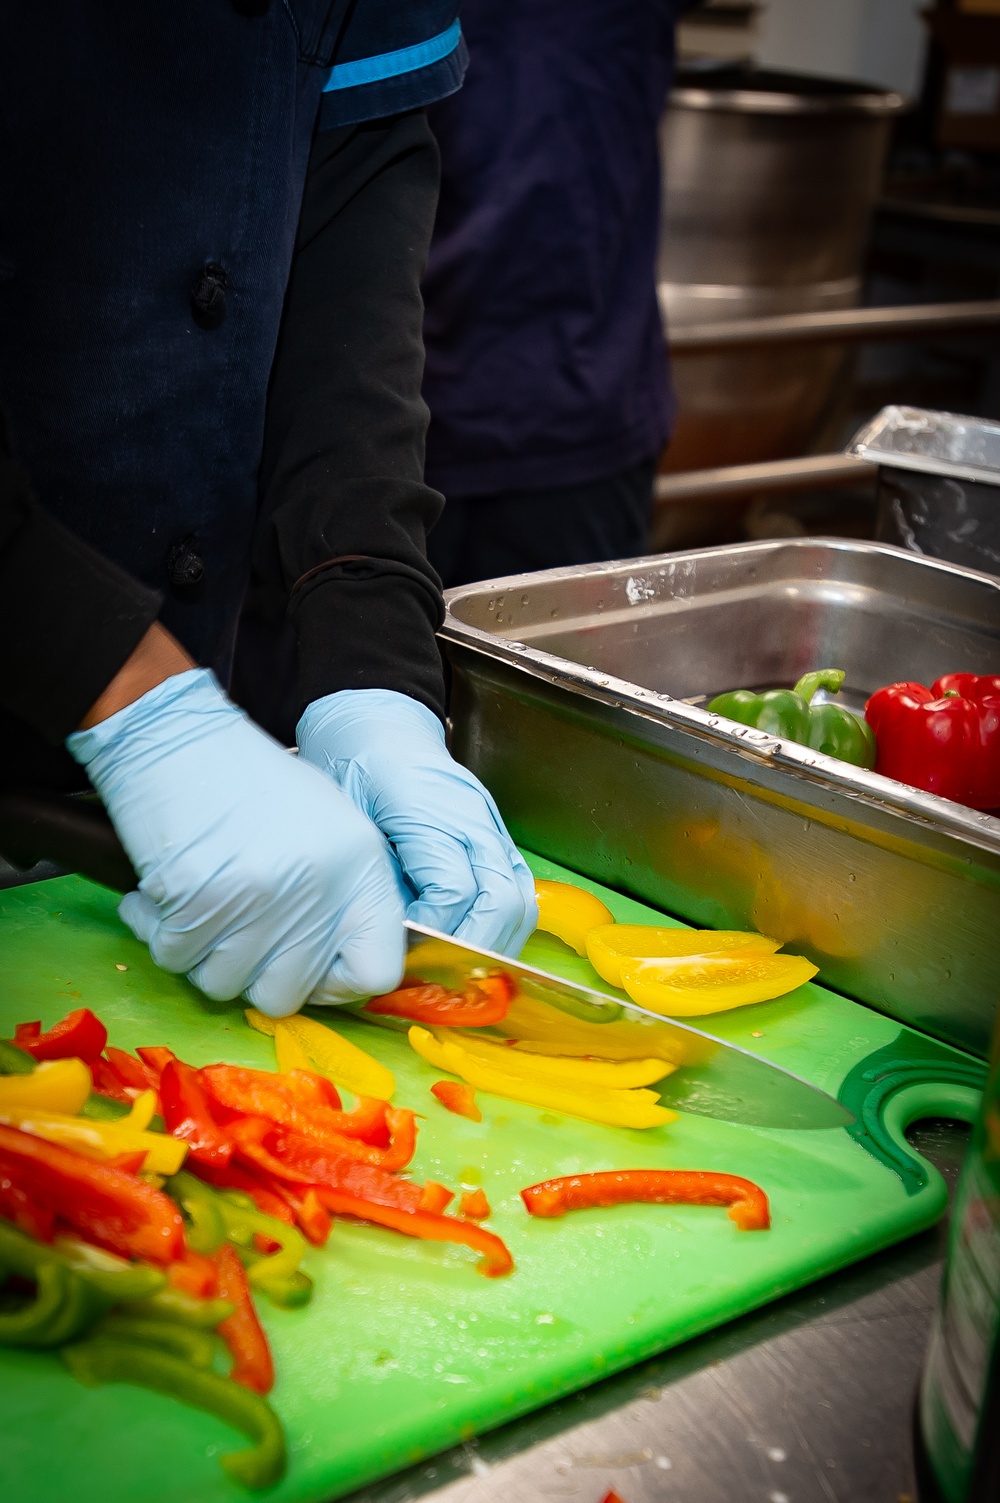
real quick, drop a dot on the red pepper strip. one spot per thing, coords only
(25, 1033)
(310, 1215)
(131, 1163)
(241, 1331)
(435, 1197)
(496, 1257)
(304, 1153)
(118, 1211)
(483, 1002)
(747, 1202)
(194, 1274)
(232, 1177)
(945, 739)
(154, 1057)
(457, 1097)
(17, 1207)
(107, 1083)
(290, 1101)
(129, 1070)
(187, 1114)
(79, 1035)
(474, 1205)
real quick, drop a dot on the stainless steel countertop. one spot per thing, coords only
(806, 1401)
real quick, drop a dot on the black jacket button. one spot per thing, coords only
(208, 297)
(185, 565)
(253, 9)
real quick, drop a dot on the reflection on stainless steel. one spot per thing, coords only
(858, 325)
(712, 1079)
(939, 483)
(567, 702)
(768, 184)
(730, 481)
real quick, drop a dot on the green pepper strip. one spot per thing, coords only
(276, 1274)
(118, 1281)
(207, 1230)
(187, 1342)
(14, 1061)
(173, 1305)
(66, 1301)
(31, 1325)
(99, 1361)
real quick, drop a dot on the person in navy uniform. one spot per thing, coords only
(547, 375)
(215, 216)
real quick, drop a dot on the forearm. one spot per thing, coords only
(345, 511)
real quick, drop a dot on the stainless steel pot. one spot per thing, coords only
(578, 698)
(768, 184)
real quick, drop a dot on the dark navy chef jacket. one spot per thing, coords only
(151, 176)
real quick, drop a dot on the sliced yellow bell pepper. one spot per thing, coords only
(609, 945)
(569, 912)
(695, 985)
(142, 1113)
(288, 1051)
(604, 1104)
(542, 1029)
(568, 1070)
(58, 1085)
(260, 1021)
(328, 1052)
(99, 1140)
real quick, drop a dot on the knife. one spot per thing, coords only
(713, 1078)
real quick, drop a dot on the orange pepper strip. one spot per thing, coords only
(496, 1259)
(474, 1205)
(457, 1097)
(484, 1001)
(252, 1362)
(747, 1202)
(435, 1197)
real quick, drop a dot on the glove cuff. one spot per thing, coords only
(195, 690)
(340, 725)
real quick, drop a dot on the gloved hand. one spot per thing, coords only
(388, 753)
(257, 874)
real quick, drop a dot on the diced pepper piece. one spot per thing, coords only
(608, 946)
(695, 985)
(106, 1206)
(435, 1197)
(496, 1258)
(458, 1097)
(569, 1070)
(59, 1085)
(474, 1205)
(288, 1051)
(569, 912)
(104, 1361)
(241, 1331)
(79, 1034)
(98, 1140)
(747, 1202)
(348, 1066)
(483, 1002)
(604, 1104)
(187, 1114)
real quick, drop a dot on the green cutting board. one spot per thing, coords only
(406, 1349)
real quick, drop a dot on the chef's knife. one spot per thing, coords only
(713, 1078)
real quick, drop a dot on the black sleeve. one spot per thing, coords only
(344, 508)
(68, 618)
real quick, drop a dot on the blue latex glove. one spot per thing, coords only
(388, 753)
(257, 874)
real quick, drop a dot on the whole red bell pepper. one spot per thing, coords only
(105, 1205)
(747, 1202)
(79, 1035)
(188, 1115)
(945, 739)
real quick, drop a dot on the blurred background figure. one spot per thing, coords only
(547, 375)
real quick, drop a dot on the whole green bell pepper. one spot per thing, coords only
(789, 713)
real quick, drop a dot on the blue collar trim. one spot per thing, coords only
(368, 70)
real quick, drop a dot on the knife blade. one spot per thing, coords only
(713, 1078)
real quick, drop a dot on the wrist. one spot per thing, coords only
(350, 716)
(157, 658)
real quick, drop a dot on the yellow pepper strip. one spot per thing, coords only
(142, 1113)
(569, 913)
(542, 1029)
(290, 1053)
(59, 1085)
(345, 1064)
(694, 985)
(99, 1140)
(604, 1104)
(261, 1021)
(609, 945)
(563, 1070)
